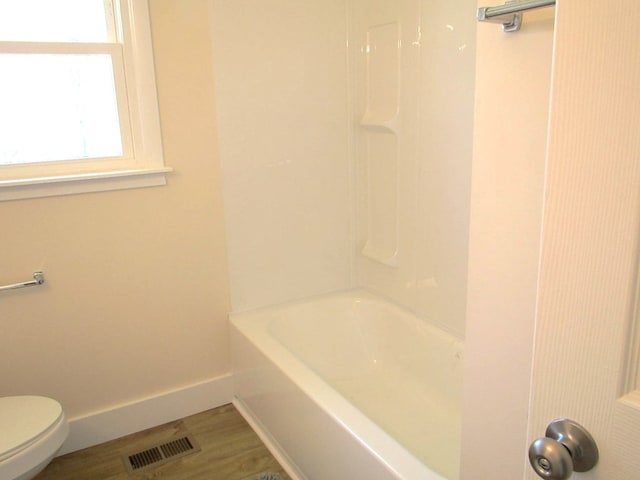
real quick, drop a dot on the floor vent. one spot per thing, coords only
(161, 454)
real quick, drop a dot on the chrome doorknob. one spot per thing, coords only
(566, 447)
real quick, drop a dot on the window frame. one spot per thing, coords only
(142, 163)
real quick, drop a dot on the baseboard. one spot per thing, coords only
(121, 420)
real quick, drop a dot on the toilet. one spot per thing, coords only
(33, 429)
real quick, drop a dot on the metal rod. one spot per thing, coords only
(38, 279)
(515, 7)
(510, 14)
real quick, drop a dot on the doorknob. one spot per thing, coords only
(566, 447)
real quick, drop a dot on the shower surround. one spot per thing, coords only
(345, 132)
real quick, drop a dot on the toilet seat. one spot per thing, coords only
(24, 420)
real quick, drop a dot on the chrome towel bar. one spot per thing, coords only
(38, 279)
(510, 14)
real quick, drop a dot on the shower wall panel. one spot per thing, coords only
(345, 140)
(412, 78)
(281, 86)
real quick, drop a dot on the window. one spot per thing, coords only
(78, 107)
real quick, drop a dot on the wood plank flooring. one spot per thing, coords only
(230, 450)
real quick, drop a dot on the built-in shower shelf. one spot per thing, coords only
(380, 125)
(379, 256)
(373, 124)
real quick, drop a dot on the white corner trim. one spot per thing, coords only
(121, 420)
(272, 445)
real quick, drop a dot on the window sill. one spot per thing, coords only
(82, 183)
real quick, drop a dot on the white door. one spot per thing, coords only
(554, 260)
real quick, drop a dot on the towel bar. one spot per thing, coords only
(510, 14)
(38, 279)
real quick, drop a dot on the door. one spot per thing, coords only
(554, 260)
(584, 365)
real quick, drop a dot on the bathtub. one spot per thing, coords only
(350, 386)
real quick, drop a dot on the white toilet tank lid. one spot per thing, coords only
(23, 419)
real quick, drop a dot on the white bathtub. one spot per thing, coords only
(350, 386)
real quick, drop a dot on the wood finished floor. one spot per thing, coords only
(230, 450)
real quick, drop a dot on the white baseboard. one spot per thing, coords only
(121, 420)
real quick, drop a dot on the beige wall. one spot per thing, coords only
(137, 293)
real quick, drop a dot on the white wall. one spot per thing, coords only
(136, 291)
(413, 115)
(282, 101)
(513, 75)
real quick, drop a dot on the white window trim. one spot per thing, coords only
(145, 168)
